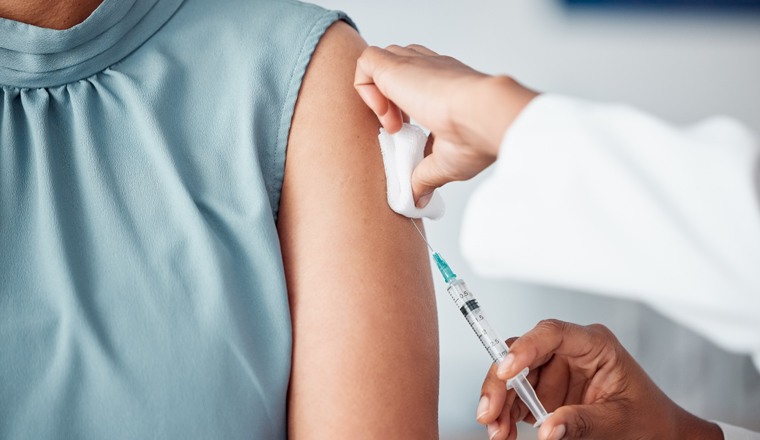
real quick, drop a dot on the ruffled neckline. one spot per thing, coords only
(32, 56)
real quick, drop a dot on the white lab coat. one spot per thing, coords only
(607, 199)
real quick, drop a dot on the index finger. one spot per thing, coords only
(583, 343)
(380, 67)
(372, 60)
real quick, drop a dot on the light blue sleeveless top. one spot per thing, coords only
(142, 292)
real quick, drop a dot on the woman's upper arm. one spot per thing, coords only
(365, 340)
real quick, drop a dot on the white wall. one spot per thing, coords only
(681, 67)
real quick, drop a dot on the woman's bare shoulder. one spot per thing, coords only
(358, 274)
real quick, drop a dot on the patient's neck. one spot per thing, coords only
(53, 14)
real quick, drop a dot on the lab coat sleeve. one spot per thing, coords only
(735, 433)
(607, 199)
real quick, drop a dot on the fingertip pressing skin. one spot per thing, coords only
(424, 200)
(420, 186)
(423, 181)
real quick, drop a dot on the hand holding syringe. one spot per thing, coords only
(496, 347)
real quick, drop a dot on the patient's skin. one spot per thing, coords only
(53, 14)
(365, 340)
(365, 355)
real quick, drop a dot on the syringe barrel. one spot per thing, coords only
(468, 305)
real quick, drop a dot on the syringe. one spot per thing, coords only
(496, 347)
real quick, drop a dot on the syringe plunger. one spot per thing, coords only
(528, 396)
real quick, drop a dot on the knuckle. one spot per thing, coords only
(583, 426)
(554, 325)
(394, 65)
(369, 52)
(602, 331)
(416, 47)
(508, 80)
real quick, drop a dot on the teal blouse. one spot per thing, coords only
(142, 292)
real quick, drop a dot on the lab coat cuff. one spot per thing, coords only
(731, 432)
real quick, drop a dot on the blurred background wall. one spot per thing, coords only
(680, 64)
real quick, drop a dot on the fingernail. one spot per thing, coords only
(557, 433)
(424, 200)
(505, 364)
(482, 407)
(493, 429)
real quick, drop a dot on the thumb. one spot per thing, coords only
(594, 421)
(426, 177)
(448, 162)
